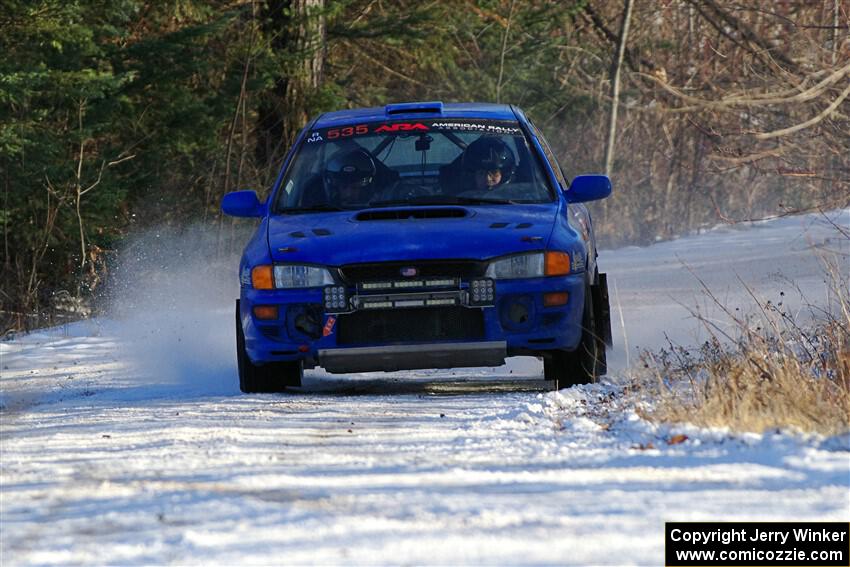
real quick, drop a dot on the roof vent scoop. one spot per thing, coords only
(434, 107)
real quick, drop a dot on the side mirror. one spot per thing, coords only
(588, 188)
(242, 204)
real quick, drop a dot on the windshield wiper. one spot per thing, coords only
(321, 207)
(442, 200)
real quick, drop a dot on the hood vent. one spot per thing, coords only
(505, 224)
(405, 214)
(316, 231)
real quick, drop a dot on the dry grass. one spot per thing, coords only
(772, 374)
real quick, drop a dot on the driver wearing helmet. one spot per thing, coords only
(489, 162)
(349, 178)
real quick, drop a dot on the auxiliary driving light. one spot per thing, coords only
(482, 292)
(335, 299)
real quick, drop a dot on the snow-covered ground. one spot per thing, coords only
(126, 441)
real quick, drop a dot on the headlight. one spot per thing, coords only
(295, 275)
(289, 276)
(533, 265)
(519, 266)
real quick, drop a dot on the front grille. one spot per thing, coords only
(463, 269)
(394, 326)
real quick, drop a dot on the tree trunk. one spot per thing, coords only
(296, 31)
(615, 86)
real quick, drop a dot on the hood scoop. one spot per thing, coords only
(412, 214)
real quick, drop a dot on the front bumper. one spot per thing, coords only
(518, 323)
(411, 357)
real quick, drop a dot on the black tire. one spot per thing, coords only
(269, 378)
(583, 365)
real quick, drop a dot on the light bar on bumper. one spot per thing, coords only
(428, 283)
(335, 299)
(407, 300)
(482, 292)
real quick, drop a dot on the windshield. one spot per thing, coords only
(423, 162)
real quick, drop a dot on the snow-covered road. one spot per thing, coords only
(125, 441)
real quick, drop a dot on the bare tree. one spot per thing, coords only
(296, 30)
(615, 86)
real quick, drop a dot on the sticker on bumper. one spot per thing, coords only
(329, 326)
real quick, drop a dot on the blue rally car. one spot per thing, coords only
(420, 235)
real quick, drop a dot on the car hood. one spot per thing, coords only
(420, 233)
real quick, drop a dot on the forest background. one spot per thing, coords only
(121, 115)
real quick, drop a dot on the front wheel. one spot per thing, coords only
(272, 377)
(583, 365)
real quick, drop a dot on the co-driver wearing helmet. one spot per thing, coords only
(349, 178)
(490, 163)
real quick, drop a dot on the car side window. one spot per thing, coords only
(550, 156)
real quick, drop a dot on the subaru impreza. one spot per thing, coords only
(420, 235)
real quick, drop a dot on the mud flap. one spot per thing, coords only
(602, 309)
